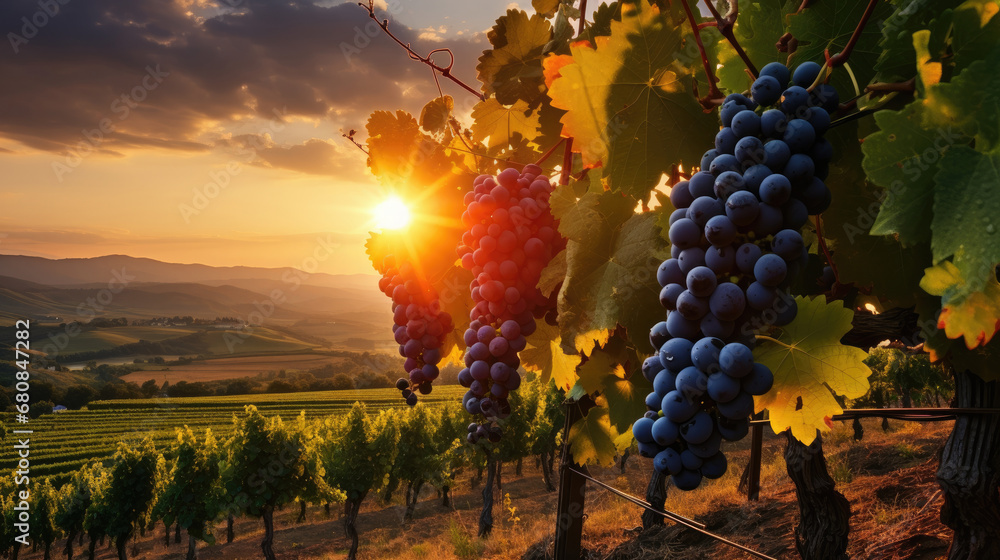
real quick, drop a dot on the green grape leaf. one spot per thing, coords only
(591, 438)
(545, 356)
(553, 274)
(974, 37)
(901, 157)
(810, 366)
(970, 102)
(966, 221)
(898, 57)
(626, 395)
(829, 25)
(434, 116)
(603, 359)
(612, 255)
(512, 70)
(758, 28)
(974, 316)
(629, 106)
(499, 123)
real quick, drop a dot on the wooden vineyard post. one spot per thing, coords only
(756, 444)
(572, 490)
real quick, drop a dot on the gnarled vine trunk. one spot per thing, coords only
(486, 515)
(824, 512)
(230, 533)
(445, 500)
(969, 473)
(177, 533)
(192, 553)
(92, 546)
(267, 545)
(412, 495)
(351, 510)
(69, 545)
(546, 473)
(302, 513)
(166, 540)
(121, 545)
(656, 495)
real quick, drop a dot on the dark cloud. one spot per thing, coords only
(314, 156)
(156, 73)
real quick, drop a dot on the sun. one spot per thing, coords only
(391, 213)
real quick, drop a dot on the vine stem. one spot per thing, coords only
(774, 340)
(907, 86)
(351, 139)
(840, 58)
(826, 251)
(444, 70)
(725, 25)
(583, 16)
(567, 162)
(709, 73)
(549, 152)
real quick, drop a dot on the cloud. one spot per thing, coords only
(314, 156)
(89, 66)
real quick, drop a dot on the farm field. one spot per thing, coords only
(103, 339)
(228, 368)
(65, 441)
(888, 477)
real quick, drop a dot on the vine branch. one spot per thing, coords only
(444, 70)
(713, 91)
(725, 24)
(840, 58)
(907, 86)
(567, 162)
(583, 16)
(549, 152)
(826, 251)
(350, 138)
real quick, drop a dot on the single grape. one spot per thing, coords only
(690, 306)
(669, 294)
(788, 244)
(691, 382)
(793, 99)
(727, 302)
(715, 466)
(725, 140)
(668, 461)
(733, 430)
(770, 270)
(778, 71)
(722, 260)
(736, 360)
(722, 388)
(775, 190)
(706, 160)
(746, 124)
(663, 383)
(776, 154)
(681, 327)
(677, 408)
(746, 257)
(698, 429)
(742, 208)
(701, 281)
(800, 135)
(726, 184)
(737, 409)
(766, 90)
(723, 163)
(772, 123)
(806, 73)
(691, 461)
(687, 479)
(750, 151)
(691, 258)
(680, 196)
(754, 176)
(642, 430)
(701, 184)
(685, 233)
(759, 296)
(665, 432)
(650, 367)
(759, 381)
(703, 209)
(658, 334)
(675, 354)
(705, 354)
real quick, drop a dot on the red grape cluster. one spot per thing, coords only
(512, 236)
(419, 326)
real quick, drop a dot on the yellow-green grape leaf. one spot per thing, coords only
(499, 123)
(603, 360)
(626, 396)
(544, 355)
(629, 107)
(592, 439)
(434, 116)
(810, 365)
(974, 316)
(552, 274)
(512, 70)
(612, 255)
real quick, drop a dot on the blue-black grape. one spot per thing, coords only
(746, 124)
(779, 72)
(806, 73)
(766, 90)
(742, 208)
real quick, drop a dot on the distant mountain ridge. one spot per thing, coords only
(63, 272)
(39, 287)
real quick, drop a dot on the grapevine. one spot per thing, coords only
(736, 247)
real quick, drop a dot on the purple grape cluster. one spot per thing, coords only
(736, 247)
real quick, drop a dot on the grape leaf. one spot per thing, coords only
(758, 28)
(611, 258)
(434, 116)
(901, 157)
(829, 25)
(500, 123)
(602, 361)
(553, 274)
(628, 106)
(546, 8)
(974, 316)
(974, 36)
(513, 68)
(545, 356)
(971, 102)
(626, 396)
(810, 365)
(967, 214)
(591, 438)
(898, 56)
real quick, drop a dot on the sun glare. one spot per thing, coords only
(392, 214)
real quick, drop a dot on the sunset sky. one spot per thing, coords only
(222, 120)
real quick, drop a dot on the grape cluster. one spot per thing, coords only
(419, 327)
(736, 246)
(511, 237)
